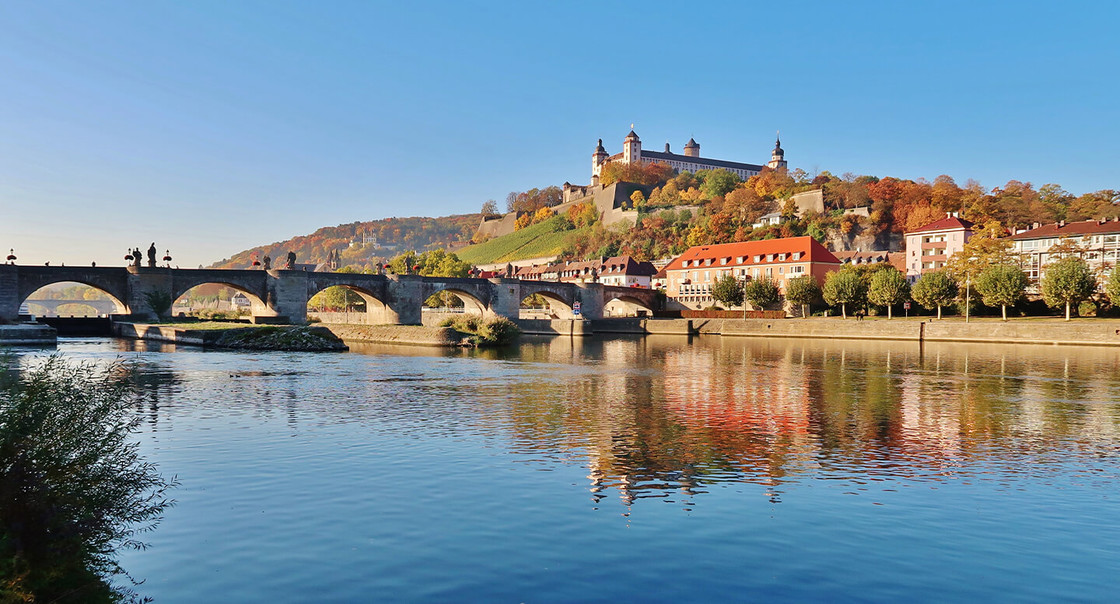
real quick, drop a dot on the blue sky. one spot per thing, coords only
(211, 127)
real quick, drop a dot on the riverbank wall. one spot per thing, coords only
(1085, 332)
(163, 333)
(28, 334)
(416, 335)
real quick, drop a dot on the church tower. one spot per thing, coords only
(692, 148)
(631, 149)
(777, 156)
(598, 158)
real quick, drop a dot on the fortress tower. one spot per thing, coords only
(598, 158)
(631, 149)
(692, 148)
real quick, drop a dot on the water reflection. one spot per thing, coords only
(666, 419)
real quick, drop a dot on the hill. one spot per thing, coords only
(364, 244)
(546, 238)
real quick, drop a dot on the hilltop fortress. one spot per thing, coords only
(613, 201)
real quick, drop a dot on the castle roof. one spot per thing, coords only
(945, 224)
(632, 135)
(705, 161)
(691, 143)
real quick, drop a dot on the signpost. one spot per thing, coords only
(576, 309)
(906, 306)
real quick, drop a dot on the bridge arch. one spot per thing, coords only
(34, 284)
(621, 305)
(375, 311)
(257, 305)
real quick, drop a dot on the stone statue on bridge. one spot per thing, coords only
(152, 255)
(509, 270)
(267, 262)
(136, 257)
(291, 261)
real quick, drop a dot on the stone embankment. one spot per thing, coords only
(27, 334)
(1083, 332)
(418, 335)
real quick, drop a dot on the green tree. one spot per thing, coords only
(844, 287)
(728, 290)
(73, 487)
(803, 291)
(1112, 286)
(934, 289)
(887, 288)
(1067, 281)
(1001, 285)
(761, 292)
(717, 182)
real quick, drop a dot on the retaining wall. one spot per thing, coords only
(20, 335)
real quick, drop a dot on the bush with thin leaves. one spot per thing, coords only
(73, 488)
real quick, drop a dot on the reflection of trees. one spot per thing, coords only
(655, 418)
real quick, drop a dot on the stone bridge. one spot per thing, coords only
(392, 299)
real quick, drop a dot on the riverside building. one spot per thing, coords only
(1097, 242)
(689, 278)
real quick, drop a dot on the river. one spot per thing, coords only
(631, 469)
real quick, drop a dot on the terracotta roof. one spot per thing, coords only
(730, 253)
(944, 224)
(1084, 227)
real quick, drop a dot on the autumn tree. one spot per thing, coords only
(643, 173)
(987, 247)
(803, 291)
(490, 208)
(1068, 281)
(761, 292)
(1001, 285)
(887, 288)
(934, 290)
(729, 290)
(844, 287)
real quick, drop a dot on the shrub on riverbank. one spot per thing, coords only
(490, 332)
(73, 488)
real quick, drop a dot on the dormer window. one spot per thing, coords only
(758, 258)
(769, 257)
(781, 257)
(739, 260)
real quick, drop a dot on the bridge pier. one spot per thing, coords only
(403, 300)
(9, 293)
(591, 300)
(287, 295)
(147, 285)
(505, 298)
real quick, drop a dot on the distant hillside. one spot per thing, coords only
(364, 244)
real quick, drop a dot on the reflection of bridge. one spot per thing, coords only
(101, 307)
(283, 293)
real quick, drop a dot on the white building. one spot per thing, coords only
(1095, 241)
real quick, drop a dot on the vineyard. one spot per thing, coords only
(540, 240)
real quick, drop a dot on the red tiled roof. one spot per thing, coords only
(1084, 227)
(811, 251)
(945, 224)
